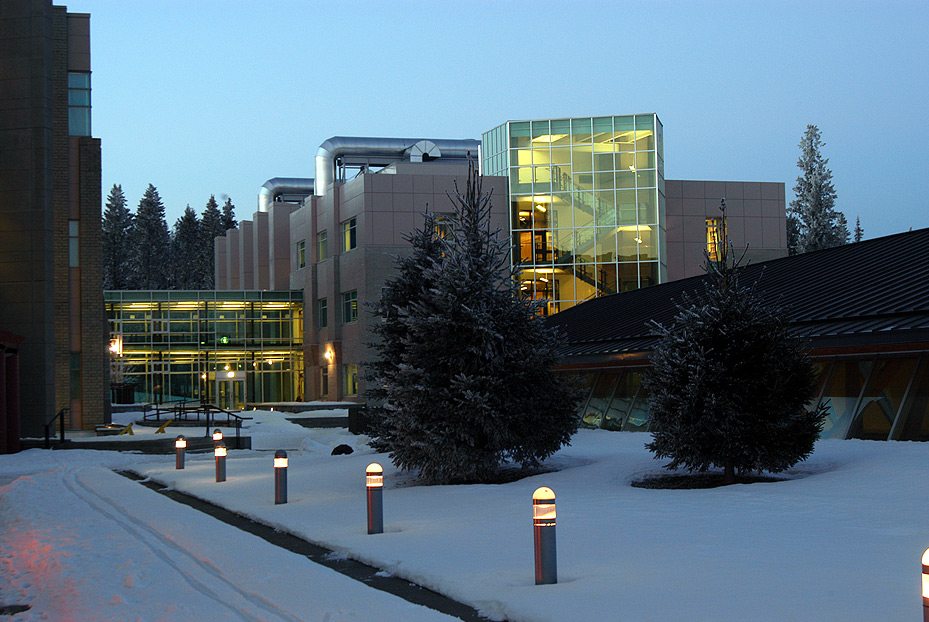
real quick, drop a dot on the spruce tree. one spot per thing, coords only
(211, 226)
(859, 232)
(729, 387)
(464, 366)
(116, 241)
(813, 221)
(229, 221)
(150, 251)
(186, 251)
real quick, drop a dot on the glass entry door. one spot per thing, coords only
(230, 393)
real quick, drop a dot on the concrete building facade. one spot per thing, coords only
(50, 256)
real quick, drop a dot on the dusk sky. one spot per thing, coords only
(213, 97)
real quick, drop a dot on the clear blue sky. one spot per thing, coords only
(207, 97)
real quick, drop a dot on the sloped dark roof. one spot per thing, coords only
(874, 292)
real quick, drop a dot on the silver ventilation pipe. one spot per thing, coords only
(392, 149)
(277, 186)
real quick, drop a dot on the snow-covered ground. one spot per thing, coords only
(841, 540)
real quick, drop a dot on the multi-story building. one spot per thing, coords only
(50, 259)
(231, 348)
(584, 201)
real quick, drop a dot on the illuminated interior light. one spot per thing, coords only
(548, 138)
(541, 208)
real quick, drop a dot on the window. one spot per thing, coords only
(350, 307)
(322, 245)
(349, 238)
(322, 313)
(324, 381)
(79, 103)
(350, 379)
(301, 254)
(73, 255)
(714, 236)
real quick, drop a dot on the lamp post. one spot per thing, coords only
(280, 477)
(374, 484)
(926, 585)
(543, 532)
(220, 453)
(180, 449)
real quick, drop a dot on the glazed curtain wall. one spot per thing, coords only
(587, 204)
(877, 398)
(235, 347)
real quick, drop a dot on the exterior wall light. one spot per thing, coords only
(543, 528)
(328, 355)
(180, 449)
(374, 483)
(280, 477)
(220, 453)
(230, 374)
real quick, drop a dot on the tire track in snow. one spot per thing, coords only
(144, 533)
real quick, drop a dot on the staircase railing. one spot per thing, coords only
(50, 424)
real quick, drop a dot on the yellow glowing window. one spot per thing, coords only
(713, 233)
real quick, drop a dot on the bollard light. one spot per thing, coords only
(926, 585)
(280, 477)
(180, 449)
(543, 532)
(220, 453)
(217, 437)
(374, 484)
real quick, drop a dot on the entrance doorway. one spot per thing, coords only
(230, 393)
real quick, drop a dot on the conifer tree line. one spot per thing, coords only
(140, 252)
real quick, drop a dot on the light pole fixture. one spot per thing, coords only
(543, 532)
(280, 477)
(220, 453)
(180, 449)
(374, 485)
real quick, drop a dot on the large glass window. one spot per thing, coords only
(349, 236)
(74, 259)
(842, 389)
(914, 416)
(79, 103)
(350, 307)
(881, 399)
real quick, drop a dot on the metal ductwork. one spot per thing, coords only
(290, 189)
(384, 151)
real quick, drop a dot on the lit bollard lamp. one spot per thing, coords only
(926, 585)
(220, 453)
(180, 449)
(217, 437)
(543, 527)
(280, 477)
(374, 483)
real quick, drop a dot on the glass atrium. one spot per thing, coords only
(586, 204)
(231, 348)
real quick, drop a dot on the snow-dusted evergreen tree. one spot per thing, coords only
(229, 221)
(211, 226)
(729, 387)
(150, 254)
(117, 240)
(859, 232)
(186, 252)
(813, 222)
(463, 370)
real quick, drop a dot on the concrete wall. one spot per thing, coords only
(260, 250)
(756, 216)
(246, 255)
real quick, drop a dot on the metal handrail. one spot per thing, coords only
(208, 410)
(61, 425)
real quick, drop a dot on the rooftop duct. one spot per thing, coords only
(290, 189)
(347, 150)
